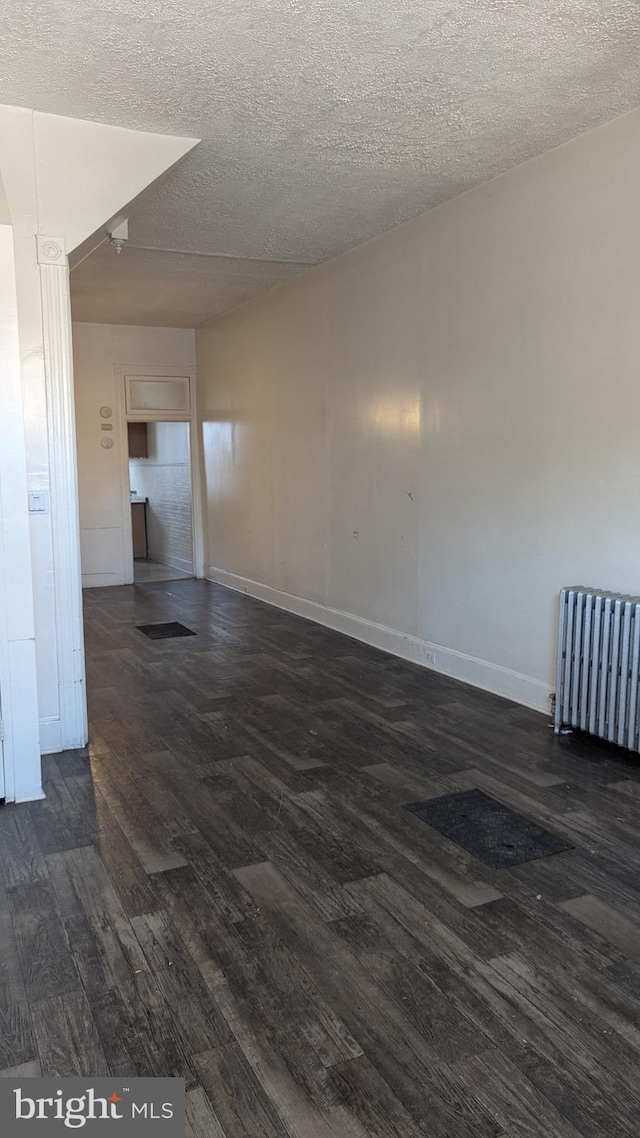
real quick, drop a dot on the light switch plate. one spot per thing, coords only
(39, 502)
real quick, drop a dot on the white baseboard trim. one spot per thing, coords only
(184, 564)
(50, 736)
(31, 797)
(100, 580)
(469, 669)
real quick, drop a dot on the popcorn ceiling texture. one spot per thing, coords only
(323, 123)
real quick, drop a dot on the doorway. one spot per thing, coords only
(160, 475)
(160, 500)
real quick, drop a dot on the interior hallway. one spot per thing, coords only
(226, 887)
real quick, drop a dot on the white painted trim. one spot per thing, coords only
(125, 488)
(151, 371)
(63, 458)
(195, 458)
(50, 736)
(102, 580)
(23, 769)
(18, 674)
(35, 797)
(469, 669)
(197, 462)
(169, 414)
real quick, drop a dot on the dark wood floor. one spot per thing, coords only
(225, 887)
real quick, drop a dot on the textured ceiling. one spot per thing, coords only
(323, 123)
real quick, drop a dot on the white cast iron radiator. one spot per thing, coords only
(598, 658)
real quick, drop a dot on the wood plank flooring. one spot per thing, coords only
(224, 886)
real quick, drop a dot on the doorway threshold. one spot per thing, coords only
(146, 571)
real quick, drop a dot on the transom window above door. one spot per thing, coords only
(161, 394)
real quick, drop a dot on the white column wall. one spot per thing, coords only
(18, 684)
(61, 178)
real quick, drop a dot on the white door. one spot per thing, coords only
(1, 754)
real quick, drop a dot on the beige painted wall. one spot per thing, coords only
(420, 442)
(104, 510)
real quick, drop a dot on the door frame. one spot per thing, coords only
(121, 371)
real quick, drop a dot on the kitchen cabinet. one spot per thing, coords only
(137, 434)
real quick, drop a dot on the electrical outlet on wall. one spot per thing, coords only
(428, 657)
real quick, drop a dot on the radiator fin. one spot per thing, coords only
(598, 668)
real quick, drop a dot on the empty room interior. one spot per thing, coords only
(320, 568)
